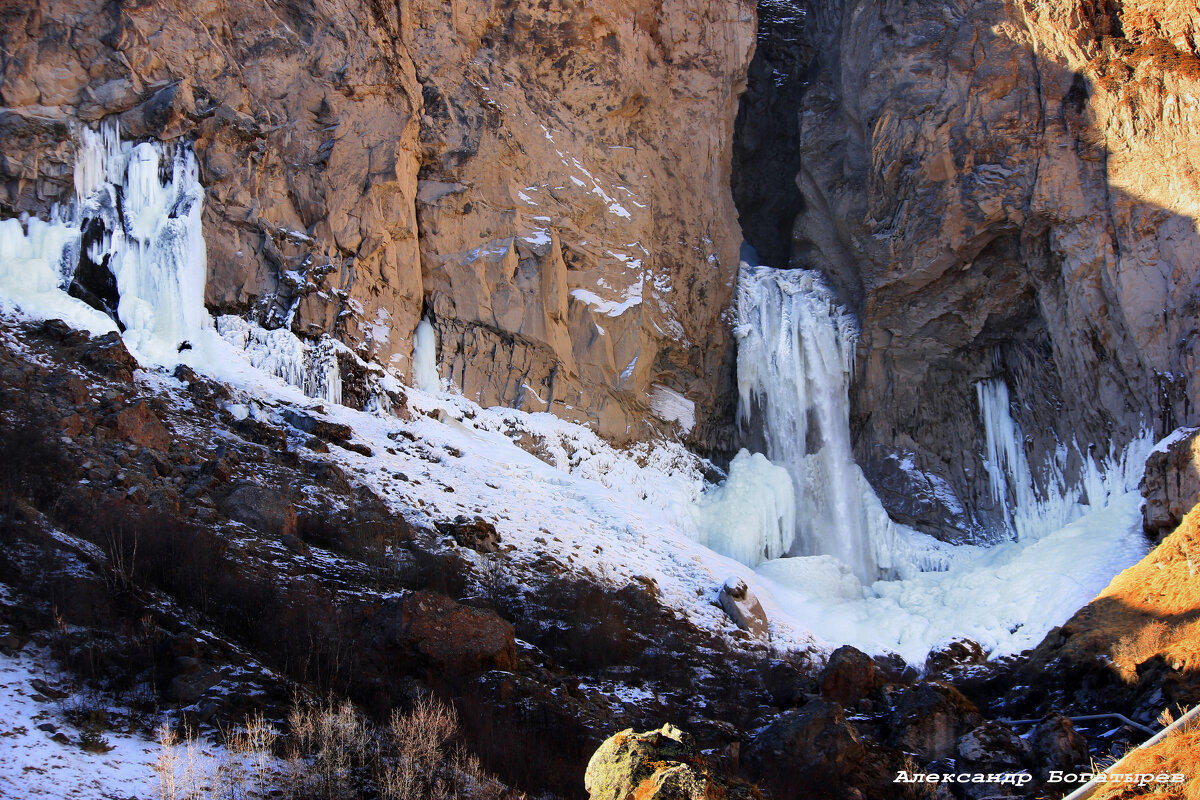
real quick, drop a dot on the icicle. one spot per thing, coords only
(323, 378)
(1031, 512)
(425, 374)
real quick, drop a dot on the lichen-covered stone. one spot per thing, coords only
(657, 765)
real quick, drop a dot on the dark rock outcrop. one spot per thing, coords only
(998, 190)
(451, 638)
(849, 676)
(929, 718)
(1171, 486)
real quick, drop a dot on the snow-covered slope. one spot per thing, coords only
(555, 490)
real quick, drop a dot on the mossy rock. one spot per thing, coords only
(657, 765)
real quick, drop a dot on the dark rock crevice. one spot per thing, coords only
(766, 159)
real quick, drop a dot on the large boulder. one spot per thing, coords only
(954, 653)
(1171, 485)
(849, 676)
(450, 638)
(138, 425)
(266, 510)
(743, 608)
(657, 765)
(477, 534)
(930, 717)
(1057, 745)
(815, 753)
(816, 742)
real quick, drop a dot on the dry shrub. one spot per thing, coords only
(1146, 642)
(242, 771)
(414, 768)
(334, 744)
(338, 755)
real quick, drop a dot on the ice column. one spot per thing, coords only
(425, 374)
(751, 517)
(1031, 512)
(795, 361)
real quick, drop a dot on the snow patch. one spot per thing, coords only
(670, 406)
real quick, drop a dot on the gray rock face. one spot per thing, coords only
(1000, 191)
(1172, 485)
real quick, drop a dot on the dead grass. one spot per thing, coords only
(1178, 753)
(243, 771)
(1151, 609)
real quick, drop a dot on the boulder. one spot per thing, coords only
(334, 432)
(849, 676)
(449, 637)
(477, 534)
(816, 742)
(1171, 485)
(992, 748)
(139, 425)
(657, 765)
(994, 744)
(1057, 745)
(106, 354)
(267, 511)
(957, 652)
(743, 608)
(930, 717)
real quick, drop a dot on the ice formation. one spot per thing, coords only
(795, 361)
(634, 511)
(751, 516)
(852, 575)
(145, 229)
(152, 240)
(141, 205)
(312, 368)
(425, 374)
(1031, 510)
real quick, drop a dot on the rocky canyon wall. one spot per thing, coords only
(999, 190)
(547, 180)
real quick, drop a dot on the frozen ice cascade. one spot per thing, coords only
(795, 361)
(849, 573)
(1031, 512)
(136, 215)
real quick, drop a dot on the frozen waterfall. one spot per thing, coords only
(136, 216)
(795, 362)
(143, 219)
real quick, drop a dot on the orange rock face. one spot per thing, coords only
(547, 181)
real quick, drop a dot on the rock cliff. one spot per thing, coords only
(548, 182)
(999, 190)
